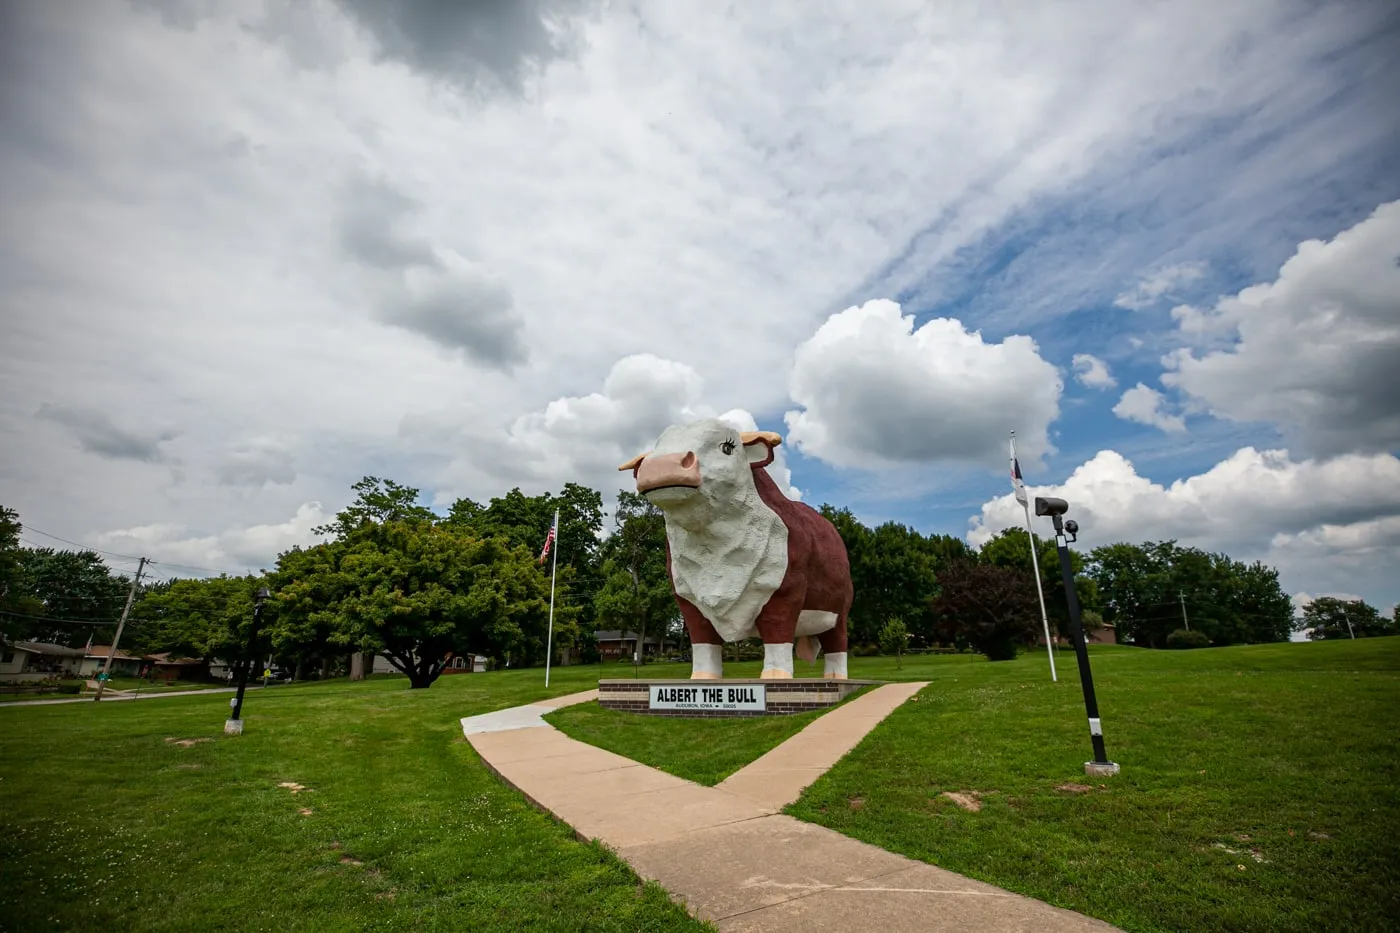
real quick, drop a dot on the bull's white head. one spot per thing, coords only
(699, 471)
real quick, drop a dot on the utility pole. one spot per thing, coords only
(1185, 621)
(116, 640)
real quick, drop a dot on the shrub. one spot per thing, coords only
(1181, 638)
(68, 688)
(992, 609)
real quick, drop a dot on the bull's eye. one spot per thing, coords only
(727, 447)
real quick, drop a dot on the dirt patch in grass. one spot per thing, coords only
(184, 743)
(855, 803)
(1074, 788)
(292, 786)
(968, 801)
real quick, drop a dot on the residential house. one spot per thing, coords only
(30, 661)
(123, 664)
(164, 667)
(614, 645)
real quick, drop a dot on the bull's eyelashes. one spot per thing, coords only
(728, 447)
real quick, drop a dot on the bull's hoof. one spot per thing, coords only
(706, 675)
(775, 673)
(839, 675)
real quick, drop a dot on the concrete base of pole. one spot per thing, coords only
(1100, 768)
(235, 727)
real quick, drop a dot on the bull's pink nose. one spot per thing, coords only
(659, 471)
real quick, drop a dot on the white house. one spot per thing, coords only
(30, 661)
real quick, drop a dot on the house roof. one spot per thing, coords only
(39, 647)
(101, 651)
(616, 635)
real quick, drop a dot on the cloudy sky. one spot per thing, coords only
(252, 251)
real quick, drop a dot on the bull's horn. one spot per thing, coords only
(771, 438)
(631, 465)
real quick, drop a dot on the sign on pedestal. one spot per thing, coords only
(719, 697)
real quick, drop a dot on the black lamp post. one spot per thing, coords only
(234, 726)
(1056, 508)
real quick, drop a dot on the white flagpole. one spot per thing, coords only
(549, 645)
(1035, 563)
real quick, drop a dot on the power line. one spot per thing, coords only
(21, 615)
(85, 547)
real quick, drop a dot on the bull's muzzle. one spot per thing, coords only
(667, 471)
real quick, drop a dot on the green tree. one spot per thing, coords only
(992, 609)
(376, 501)
(636, 592)
(893, 639)
(894, 573)
(523, 521)
(414, 592)
(74, 592)
(201, 618)
(1011, 548)
(1327, 618)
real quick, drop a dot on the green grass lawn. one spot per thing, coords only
(107, 823)
(705, 751)
(1260, 786)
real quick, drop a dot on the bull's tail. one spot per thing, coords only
(807, 647)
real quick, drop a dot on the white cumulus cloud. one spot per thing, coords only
(875, 391)
(1146, 405)
(1316, 351)
(1324, 523)
(1092, 372)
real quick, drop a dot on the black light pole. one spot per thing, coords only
(234, 726)
(1056, 508)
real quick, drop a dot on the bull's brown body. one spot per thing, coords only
(818, 577)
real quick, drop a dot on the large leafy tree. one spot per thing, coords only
(635, 593)
(1012, 549)
(17, 606)
(894, 572)
(523, 521)
(74, 592)
(376, 501)
(201, 618)
(1327, 618)
(1153, 589)
(414, 592)
(990, 608)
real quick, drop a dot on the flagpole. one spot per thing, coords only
(549, 644)
(1035, 561)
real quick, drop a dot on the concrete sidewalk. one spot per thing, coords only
(730, 857)
(779, 777)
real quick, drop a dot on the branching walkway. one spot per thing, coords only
(728, 854)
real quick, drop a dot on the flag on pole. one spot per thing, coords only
(549, 540)
(1016, 483)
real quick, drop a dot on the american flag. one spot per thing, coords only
(549, 540)
(1016, 483)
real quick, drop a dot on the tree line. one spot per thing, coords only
(395, 579)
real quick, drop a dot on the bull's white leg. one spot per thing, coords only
(836, 666)
(777, 662)
(706, 662)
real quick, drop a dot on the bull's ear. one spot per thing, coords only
(769, 440)
(631, 465)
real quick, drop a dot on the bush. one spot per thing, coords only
(1181, 638)
(992, 609)
(68, 688)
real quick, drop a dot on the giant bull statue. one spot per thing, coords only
(745, 559)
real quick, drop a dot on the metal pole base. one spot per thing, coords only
(1100, 768)
(235, 727)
